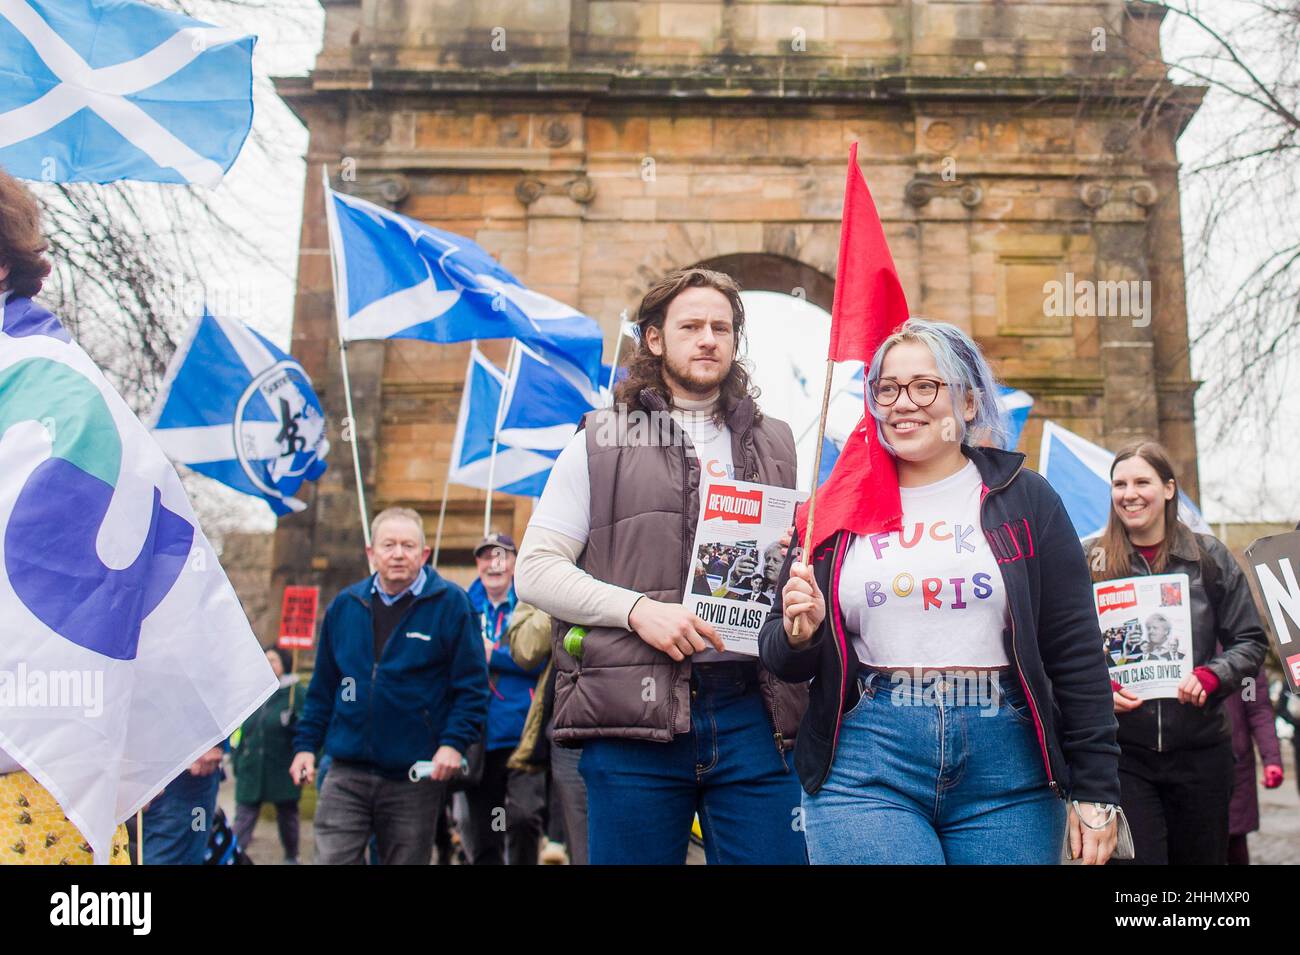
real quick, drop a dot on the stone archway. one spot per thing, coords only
(765, 272)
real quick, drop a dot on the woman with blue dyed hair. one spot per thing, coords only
(960, 706)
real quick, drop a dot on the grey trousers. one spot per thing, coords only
(573, 800)
(355, 804)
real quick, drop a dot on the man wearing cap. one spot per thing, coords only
(503, 823)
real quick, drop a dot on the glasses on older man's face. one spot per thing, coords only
(921, 391)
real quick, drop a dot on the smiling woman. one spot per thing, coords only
(958, 592)
(1177, 753)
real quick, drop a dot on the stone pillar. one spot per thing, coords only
(1130, 408)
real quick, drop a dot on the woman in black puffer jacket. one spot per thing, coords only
(1176, 764)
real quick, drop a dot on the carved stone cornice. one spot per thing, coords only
(386, 190)
(1119, 199)
(921, 189)
(580, 189)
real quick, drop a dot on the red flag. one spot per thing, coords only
(869, 300)
(861, 494)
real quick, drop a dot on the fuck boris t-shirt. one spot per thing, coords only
(929, 595)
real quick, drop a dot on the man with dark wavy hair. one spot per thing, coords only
(670, 723)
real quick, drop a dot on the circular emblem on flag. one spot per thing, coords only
(284, 447)
(51, 556)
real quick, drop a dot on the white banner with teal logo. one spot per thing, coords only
(124, 652)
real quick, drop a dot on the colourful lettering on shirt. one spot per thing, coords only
(934, 590)
(714, 467)
(935, 593)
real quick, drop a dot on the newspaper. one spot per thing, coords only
(1146, 626)
(737, 555)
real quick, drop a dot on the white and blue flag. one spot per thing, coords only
(1079, 471)
(101, 90)
(396, 277)
(520, 471)
(1015, 406)
(236, 408)
(545, 401)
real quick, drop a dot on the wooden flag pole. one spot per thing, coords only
(817, 467)
(139, 837)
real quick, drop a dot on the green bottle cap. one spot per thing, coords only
(573, 641)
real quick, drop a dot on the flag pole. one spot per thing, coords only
(804, 433)
(293, 667)
(139, 836)
(442, 515)
(817, 467)
(496, 433)
(618, 349)
(352, 439)
(350, 431)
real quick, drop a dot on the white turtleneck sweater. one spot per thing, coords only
(547, 574)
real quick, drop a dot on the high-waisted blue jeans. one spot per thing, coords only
(926, 775)
(642, 795)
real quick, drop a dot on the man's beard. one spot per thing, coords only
(693, 384)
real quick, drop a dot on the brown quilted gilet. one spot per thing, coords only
(644, 504)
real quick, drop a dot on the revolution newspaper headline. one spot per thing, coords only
(1146, 625)
(737, 556)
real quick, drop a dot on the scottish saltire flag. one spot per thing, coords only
(241, 411)
(1080, 472)
(544, 403)
(101, 90)
(124, 652)
(395, 277)
(830, 454)
(1015, 406)
(517, 470)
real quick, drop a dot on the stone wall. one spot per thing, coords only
(246, 559)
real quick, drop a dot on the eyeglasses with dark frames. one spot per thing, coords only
(921, 391)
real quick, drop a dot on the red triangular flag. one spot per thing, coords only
(861, 494)
(869, 300)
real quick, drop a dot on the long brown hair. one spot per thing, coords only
(22, 246)
(1112, 555)
(646, 369)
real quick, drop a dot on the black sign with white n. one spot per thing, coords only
(1274, 562)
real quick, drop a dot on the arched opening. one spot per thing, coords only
(787, 335)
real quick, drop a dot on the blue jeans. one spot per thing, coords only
(642, 795)
(932, 776)
(174, 832)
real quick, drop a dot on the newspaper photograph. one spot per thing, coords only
(1146, 627)
(737, 556)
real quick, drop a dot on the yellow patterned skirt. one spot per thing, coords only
(34, 830)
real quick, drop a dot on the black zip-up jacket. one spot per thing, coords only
(1053, 640)
(1223, 613)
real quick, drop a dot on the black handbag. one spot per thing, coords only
(471, 768)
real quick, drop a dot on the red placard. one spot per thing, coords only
(298, 617)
